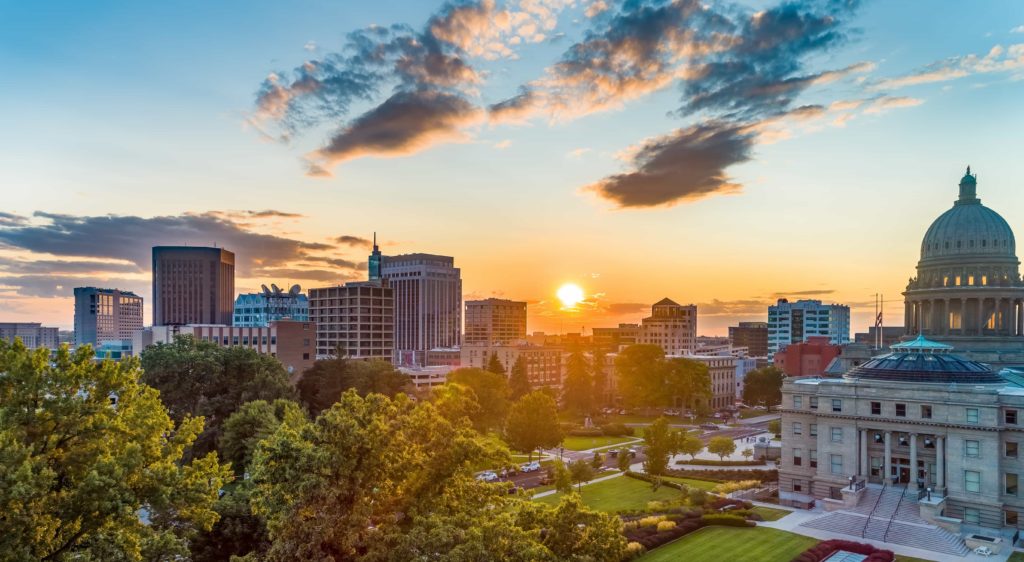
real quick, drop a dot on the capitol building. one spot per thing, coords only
(924, 446)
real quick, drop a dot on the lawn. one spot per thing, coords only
(757, 544)
(1015, 557)
(770, 513)
(619, 494)
(705, 485)
(576, 443)
(912, 559)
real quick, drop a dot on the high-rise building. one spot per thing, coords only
(495, 321)
(428, 304)
(751, 335)
(355, 319)
(794, 322)
(106, 315)
(260, 309)
(614, 339)
(33, 334)
(672, 326)
(192, 285)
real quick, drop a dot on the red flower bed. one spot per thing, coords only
(824, 549)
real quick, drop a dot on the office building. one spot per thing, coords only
(671, 326)
(427, 292)
(106, 315)
(192, 285)
(33, 334)
(751, 335)
(807, 358)
(356, 320)
(722, 370)
(615, 339)
(495, 321)
(543, 363)
(260, 309)
(794, 322)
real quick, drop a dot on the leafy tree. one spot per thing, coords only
(602, 382)
(533, 423)
(775, 427)
(494, 365)
(686, 380)
(561, 476)
(518, 381)
(763, 386)
(581, 472)
(690, 445)
(640, 369)
(662, 442)
(578, 387)
(238, 532)
(697, 497)
(85, 448)
(380, 479)
(253, 422)
(721, 446)
(323, 383)
(747, 453)
(624, 459)
(491, 390)
(199, 378)
(456, 402)
(598, 461)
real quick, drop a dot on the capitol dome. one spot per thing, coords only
(969, 229)
(925, 361)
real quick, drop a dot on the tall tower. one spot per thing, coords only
(428, 304)
(193, 285)
(375, 260)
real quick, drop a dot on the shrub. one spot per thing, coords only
(698, 496)
(719, 503)
(634, 550)
(711, 462)
(666, 526)
(630, 526)
(726, 520)
(725, 475)
(651, 520)
(616, 430)
(824, 549)
(585, 432)
(728, 487)
(648, 478)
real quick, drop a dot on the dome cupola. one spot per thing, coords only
(968, 230)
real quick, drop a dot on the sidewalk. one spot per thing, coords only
(594, 481)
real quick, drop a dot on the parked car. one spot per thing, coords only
(530, 467)
(506, 472)
(709, 427)
(614, 453)
(632, 452)
(487, 476)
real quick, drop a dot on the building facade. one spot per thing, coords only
(260, 309)
(671, 326)
(427, 301)
(106, 315)
(751, 335)
(543, 363)
(193, 285)
(33, 334)
(615, 339)
(808, 358)
(722, 370)
(794, 322)
(495, 321)
(355, 319)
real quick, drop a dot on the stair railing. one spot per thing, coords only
(873, 508)
(893, 516)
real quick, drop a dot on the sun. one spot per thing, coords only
(570, 294)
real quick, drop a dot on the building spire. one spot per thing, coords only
(375, 261)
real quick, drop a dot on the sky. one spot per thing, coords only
(722, 154)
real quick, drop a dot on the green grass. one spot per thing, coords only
(1015, 557)
(757, 544)
(770, 513)
(900, 558)
(576, 443)
(705, 485)
(619, 494)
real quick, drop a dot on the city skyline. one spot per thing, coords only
(881, 131)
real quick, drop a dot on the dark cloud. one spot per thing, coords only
(295, 274)
(733, 308)
(9, 219)
(685, 165)
(63, 286)
(350, 240)
(68, 267)
(131, 238)
(516, 108)
(807, 293)
(338, 262)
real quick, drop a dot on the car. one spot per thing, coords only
(530, 467)
(709, 427)
(614, 453)
(506, 472)
(487, 476)
(632, 452)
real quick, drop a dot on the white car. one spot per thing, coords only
(487, 476)
(530, 467)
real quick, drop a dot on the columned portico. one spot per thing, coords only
(940, 464)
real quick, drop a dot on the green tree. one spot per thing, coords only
(323, 383)
(662, 442)
(690, 445)
(494, 365)
(775, 427)
(518, 381)
(237, 532)
(85, 448)
(578, 386)
(253, 422)
(640, 370)
(561, 476)
(624, 460)
(199, 378)
(747, 453)
(491, 391)
(533, 423)
(456, 402)
(721, 446)
(580, 471)
(602, 382)
(763, 386)
(598, 461)
(687, 381)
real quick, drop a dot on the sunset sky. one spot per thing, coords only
(714, 153)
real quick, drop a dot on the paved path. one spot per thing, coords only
(759, 419)
(594, 481)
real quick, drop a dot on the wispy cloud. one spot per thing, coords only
(997, 59)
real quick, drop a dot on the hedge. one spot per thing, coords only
(726, 520)
(650, 479)
(709, 462)
(824, 549)
(617, 430)
(724, 475)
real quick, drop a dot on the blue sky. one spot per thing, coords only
(146, 110)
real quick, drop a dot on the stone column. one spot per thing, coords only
(940, 463)
(981, 321)
(907, 310)
(1020, 317)
(912, 485)
(946, 327)
(864, 453)
(887, 462)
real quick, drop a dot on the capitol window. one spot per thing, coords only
(972, 415)
(972, 448)
(972, 482)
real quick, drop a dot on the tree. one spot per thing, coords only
(253, 422)
(775, 427)
(691, 445)
(533, 423)
(747, 453)
(688, 381)
(379, 478)
(199, 378)
(323, 383)
(598, 461)
(721, 446)
(237, 532)
(763, 386)
(518, 381)
(456, 402)
(602, 386)
(581, 472)
(85, 448)
(494, 365)
(561, 476)
(491, 391)
(578, 387)
(640, 370)
(662, 442)
(625, 459)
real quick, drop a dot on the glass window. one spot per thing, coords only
(972, 481)
(837, 405)
(876, 408)
(1010, 416)
(901, 410)
(972, 515)
(798, 428)
(798, 402)
(972, 415)
(1011, 484)
(1011, 517)
(798, 457)
(1011, 449)
(972, 448)
(926, 412)
(836, 464)
(837, 434)
(814, 430)
(814, 402)
(876, 466)
(814, 458)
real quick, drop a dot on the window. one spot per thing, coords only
(901, 410)
(798, 402)
(972, 415)
(926, 412)
(798, 457)
(837, 405)
(972, 481)
(972, 515)
(836, 462)
(305, 357)
(876, 408)
(1010, 416)
(814, 402)
(1011, 517)
(837, 434)
(1011, 484)
(798, 428)
(1011, 449)
(876, 466)
(814, 458)
(814, 430)
(797, 486)
(972, 448)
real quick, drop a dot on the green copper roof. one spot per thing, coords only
(920, 343)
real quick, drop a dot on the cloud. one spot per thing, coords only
(806, 293)
(503, 144)
(577, 152)
(885, 103)
(47, 286)
(623, 308)
(310, 46)
(10, 219)
(1018, 29)
(686, 165)
(595, 8)
(293, 274)
(732, 308)
(350, 240)
(997, 59)
(41, 266)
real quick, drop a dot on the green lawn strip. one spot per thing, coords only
(1015, 557)
(618, 494)
(757, 544)
(900, 558)
(705, 485)
(770, 513)
(576, 443)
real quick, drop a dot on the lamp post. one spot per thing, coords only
(929, 493)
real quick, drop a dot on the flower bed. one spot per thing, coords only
(824, 549)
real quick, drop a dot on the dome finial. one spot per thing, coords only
(968, 169)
